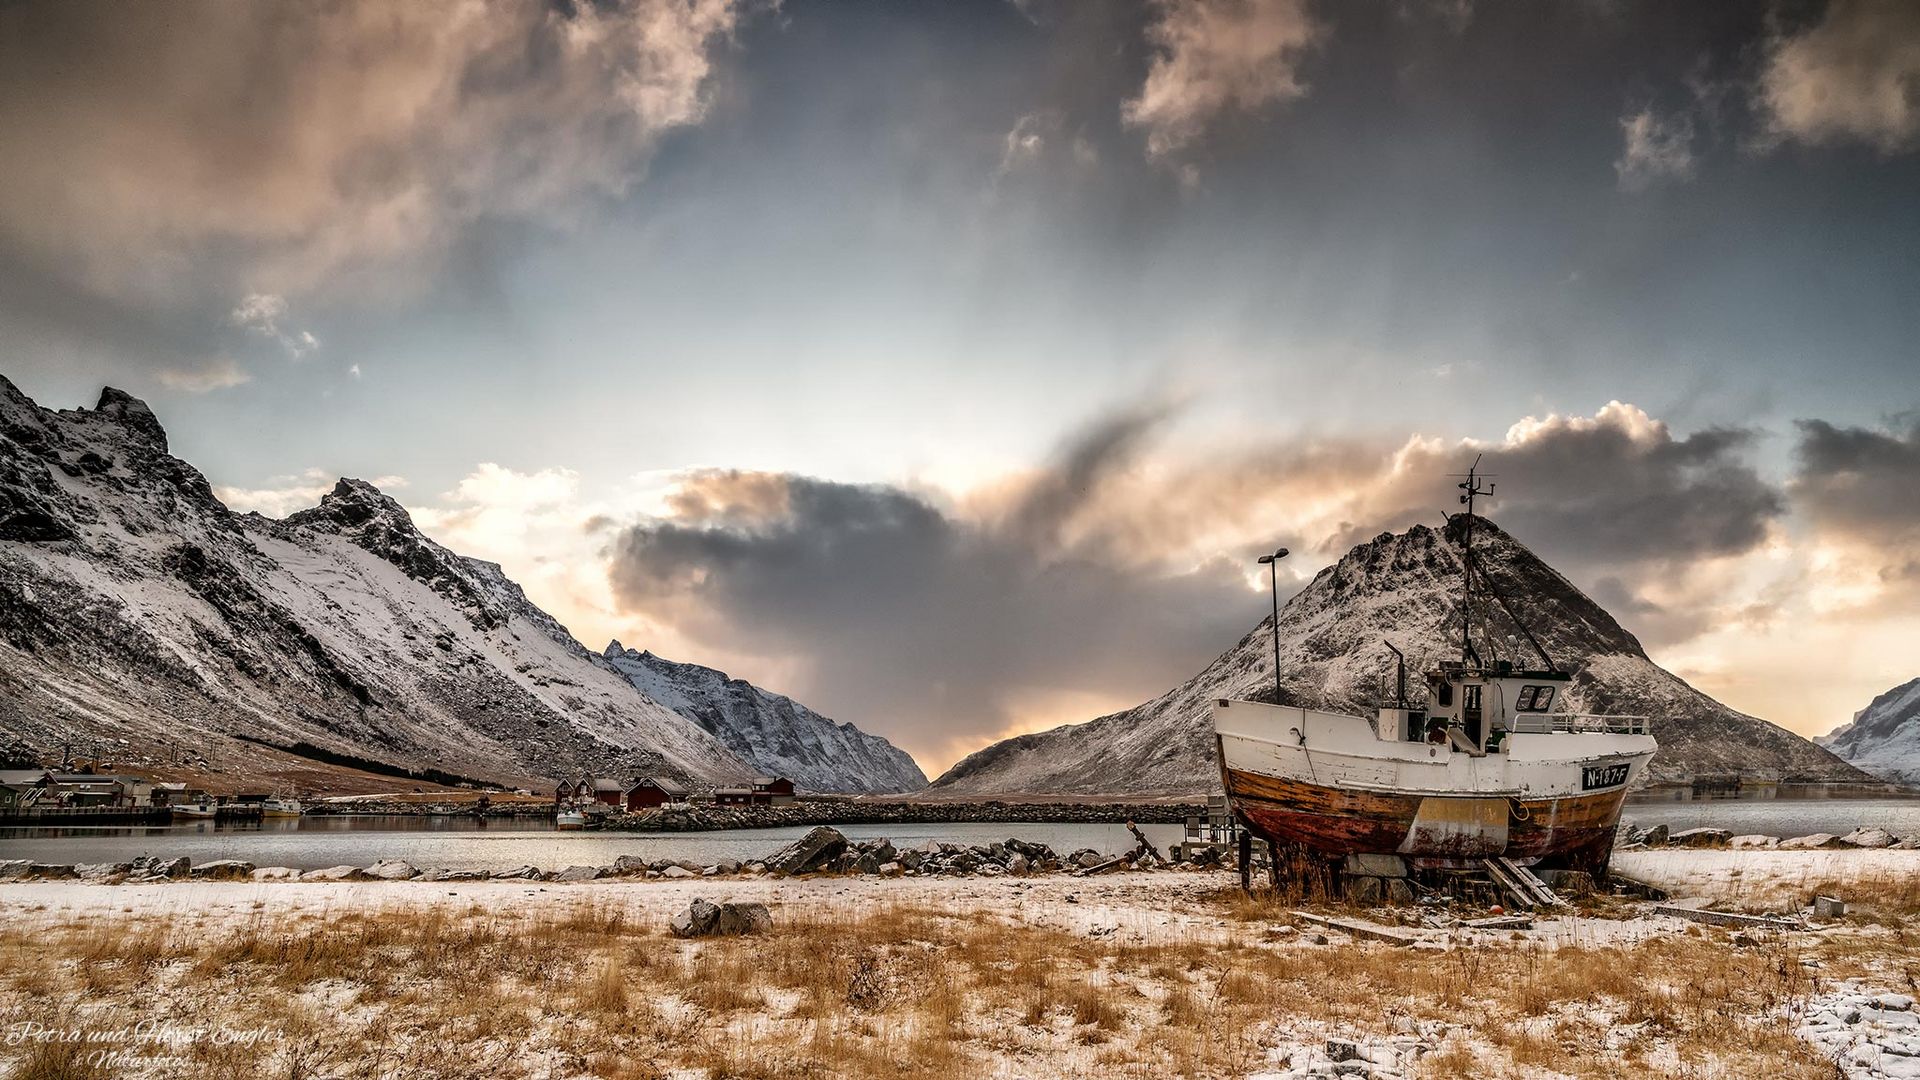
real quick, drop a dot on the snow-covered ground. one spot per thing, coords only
(1044, 977)
(1769, 879)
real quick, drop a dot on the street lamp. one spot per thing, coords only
(1272, 563)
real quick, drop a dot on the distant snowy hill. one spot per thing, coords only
(777, 735)
(143, 620)
(1403, 588)
(1884, 737)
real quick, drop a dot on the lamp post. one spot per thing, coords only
(1272, 563)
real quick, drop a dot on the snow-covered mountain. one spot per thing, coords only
(776, 734)
(1403, 588)
(143, 621)
(1884, 737)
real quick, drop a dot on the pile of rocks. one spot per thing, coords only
(145, 868)
(825, 850)
(1630, 837)
(1868, 1036)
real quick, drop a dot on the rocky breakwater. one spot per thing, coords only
(704, 818)
(824, 850)
(1633, 838)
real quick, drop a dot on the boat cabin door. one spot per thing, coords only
(1471, 716)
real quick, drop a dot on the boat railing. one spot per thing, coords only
(1548, 723)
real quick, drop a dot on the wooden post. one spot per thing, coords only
(1246, 861)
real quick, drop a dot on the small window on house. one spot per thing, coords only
(1543, 699)
(1446, 694)
(1525, 704)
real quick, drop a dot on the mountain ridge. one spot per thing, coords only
(1884, 737)
(770, 730)
(142, 617)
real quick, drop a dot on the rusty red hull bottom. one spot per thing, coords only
(1575, 830)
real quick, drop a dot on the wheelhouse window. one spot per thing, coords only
(1534, 699)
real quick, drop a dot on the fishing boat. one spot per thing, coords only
(569, 820)
(203, 810)
(1488, 765)
(280, 806)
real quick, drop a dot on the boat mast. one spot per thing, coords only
(1472, 489)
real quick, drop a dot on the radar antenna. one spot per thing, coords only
(1472, 489)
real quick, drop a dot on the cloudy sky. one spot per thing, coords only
(945, 363)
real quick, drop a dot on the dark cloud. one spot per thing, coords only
(1615, 490)
(1860, 488)
(935, 629)
(1119, 571)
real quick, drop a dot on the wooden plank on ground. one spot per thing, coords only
(1725, 918)
(1392, 935)
(1500, 922)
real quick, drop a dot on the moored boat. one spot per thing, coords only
(203, 810)
(1490, 764)
(281, 807)
(569, 820)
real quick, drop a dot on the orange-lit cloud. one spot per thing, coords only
(336, 145)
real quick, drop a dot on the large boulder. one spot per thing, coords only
(524, 873)
(1812, 840)
(748, 918)
(703, 918)
(223, 870)
(335, 873)
(696, 921)
(822, 844)
(578, 873)
(1754, 840)
(441, 874)
(276, 873)
(630, 865)
(874, 855)
(393, 870)
(15, 869)
(1869, 838)
(1700, 838)
(150, 866)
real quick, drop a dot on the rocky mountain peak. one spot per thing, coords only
(373, 520)
(134, 415)
(356, 503)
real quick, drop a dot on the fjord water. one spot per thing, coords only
(1792, 811)
(457, 843)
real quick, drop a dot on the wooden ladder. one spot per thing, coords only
(1520, 883)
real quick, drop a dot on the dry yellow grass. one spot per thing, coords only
(570, 989)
